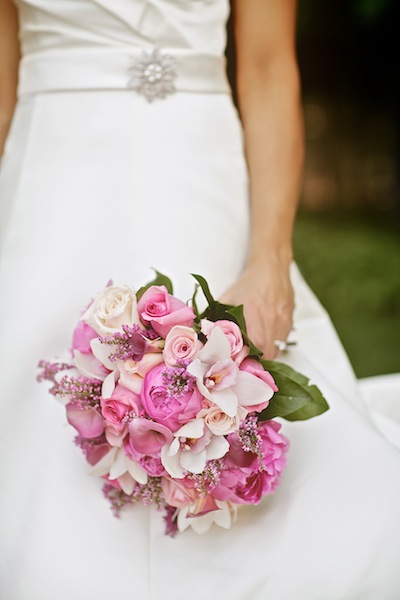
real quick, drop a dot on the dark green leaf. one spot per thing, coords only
(159, 279)
(296, 399)
(204, 286)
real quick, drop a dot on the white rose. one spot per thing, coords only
(219, 423)
(114, 306)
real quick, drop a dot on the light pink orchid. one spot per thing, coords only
(116, 465)
(221, 513)
(220, 380)
(193, 445)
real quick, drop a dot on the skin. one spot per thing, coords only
(269, 102)
(9, 58)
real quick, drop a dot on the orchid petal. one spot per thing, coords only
(127, 483)
(201, 524)
(104, 465)
(217, 448)
(193, 429)
(226, 400)
(194, 463)
(198, 370)
(222, 517)
(109, 384)
(252, 390)
(216, 348)
(119, 466)
(136, 471)
(89, 366)
(174, 447)
(102, 352)
(172, 464)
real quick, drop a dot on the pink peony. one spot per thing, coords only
(181, 343)
(171, 408)
(242, 481)
(163, 311)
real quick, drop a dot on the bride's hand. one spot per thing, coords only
(266, 292)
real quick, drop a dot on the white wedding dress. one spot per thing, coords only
(97, 183)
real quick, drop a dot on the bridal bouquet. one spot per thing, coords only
(176, 408)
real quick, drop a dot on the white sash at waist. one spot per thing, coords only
(152, 73)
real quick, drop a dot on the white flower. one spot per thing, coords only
(224, 515)
(219, 423)
(114, 306)
(118, 466)
(220, 380)
(191, 448)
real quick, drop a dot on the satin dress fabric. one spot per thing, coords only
(97, 183)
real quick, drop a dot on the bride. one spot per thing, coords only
(125, 152)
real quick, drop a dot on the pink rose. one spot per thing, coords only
(86, 420)
(181, 343)
(170, 409)
(178, 492)
(232, 332)
(122, 402)
(82, 336)
(152, 465)
(162, 310)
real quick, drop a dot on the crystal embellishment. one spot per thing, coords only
(152, 75)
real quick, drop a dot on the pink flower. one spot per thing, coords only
(132, 372)
(153, 466)
(82, 336)
(181, 343)
(146, 438)
(172, 409)
(163, 311)
(86, 420)
(178, 493)
(192, 447)
(122, 402)
(243, 481)
(232, 332)
(255, 368)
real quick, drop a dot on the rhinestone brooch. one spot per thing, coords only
(152, 75)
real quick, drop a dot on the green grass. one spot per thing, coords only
(352, 263)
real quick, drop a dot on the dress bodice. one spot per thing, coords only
(197, 25)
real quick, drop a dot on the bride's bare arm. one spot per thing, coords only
(269, 101)
(9, 58)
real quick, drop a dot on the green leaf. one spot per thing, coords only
(238, 316)
(159, 279)
(296, 399)
(194, 303)
(204, 286)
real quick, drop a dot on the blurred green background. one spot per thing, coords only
(347, 238)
